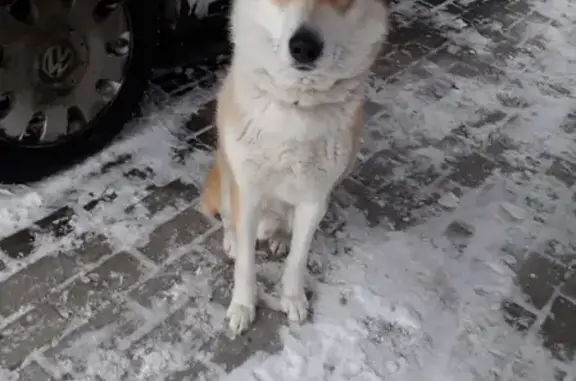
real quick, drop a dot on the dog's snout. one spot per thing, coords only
(305, 46)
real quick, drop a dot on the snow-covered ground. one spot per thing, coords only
(468, 167)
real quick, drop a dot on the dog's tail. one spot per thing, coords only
(211, 193)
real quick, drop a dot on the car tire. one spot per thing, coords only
(24, 164)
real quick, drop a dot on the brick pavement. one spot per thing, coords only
(103, 294)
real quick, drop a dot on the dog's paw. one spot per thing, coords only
(295, 307)
(240, 317)
(278, 245)
(229, 244)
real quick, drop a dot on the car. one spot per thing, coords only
(73, 72)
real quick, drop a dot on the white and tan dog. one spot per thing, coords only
(289, 121)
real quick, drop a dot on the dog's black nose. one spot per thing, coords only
(305, 46)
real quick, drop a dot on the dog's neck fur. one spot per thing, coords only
(261, 83)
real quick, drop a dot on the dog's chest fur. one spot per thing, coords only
(291, 153)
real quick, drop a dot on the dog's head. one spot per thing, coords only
(309, 43)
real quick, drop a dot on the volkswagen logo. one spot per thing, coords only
(57, 61)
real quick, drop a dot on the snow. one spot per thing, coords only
(449, 200)
(392, 305)
(514, 211)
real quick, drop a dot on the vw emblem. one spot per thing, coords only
(57, 61)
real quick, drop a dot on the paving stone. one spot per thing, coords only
(19, 244)
(498, 145)
(459, 229)
(486, 117)
(192, 373)
(522, 7)
(564, 171)
(510, 99)
(564, 253)
(399, 59)
(107, 197)
(435, 89)
(94, 291)
(33, 372)
(105, 330)
(517, 316)
(522, 369)
(37, 328)
(35, 281)
(481, 71)
(472, 170)
(208, 138)
(213, 244)
(371, 109)
(173, 283)
(58, 223)
(403, 204)
(386, 67)
(558, 331)
(93, 247)
(22, 243)
(168, 195)
(139, 174)
(431, 39)
(180, 230)
(262, 336)
(555, 90)
(482, 12)
(455, 143)
(459, 233)
(119, 161)
(333, 220)
(402, 34)
(194, 145)
(559, 375)
(377, 171)
(447, 57)
(203, 118)
(569, 288)
(538, 277)
(176, 340)
(364, 199)
(221, 283)
(538, 18)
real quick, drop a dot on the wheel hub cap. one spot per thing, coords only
(61, 63)
(57, 62)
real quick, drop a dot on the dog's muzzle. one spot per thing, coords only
(305, 47)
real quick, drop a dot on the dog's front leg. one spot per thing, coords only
(307, 216)
(241, 312)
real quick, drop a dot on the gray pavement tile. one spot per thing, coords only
(34, 282)
(538, 278)
(558, 329)
(180, 230)
(168, 195)
(231, 353)
(39, 327)
(517, 316)
(34, 372)
(96, 289)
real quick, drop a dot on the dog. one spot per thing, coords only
(289, 125)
